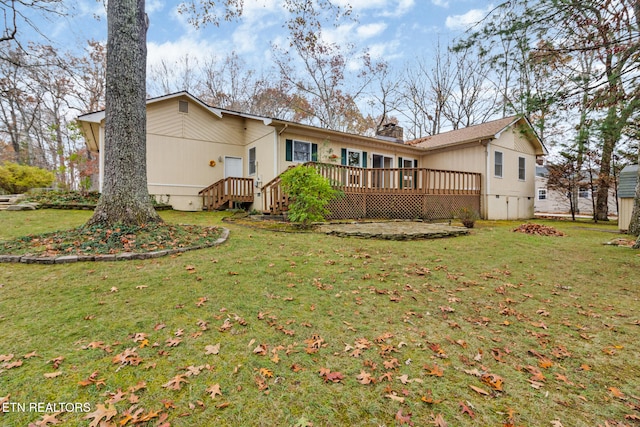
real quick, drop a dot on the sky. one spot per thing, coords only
(398, 31)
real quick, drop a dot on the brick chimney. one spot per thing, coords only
(391, 132)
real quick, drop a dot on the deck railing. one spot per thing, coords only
(382, 181)
(351, 179)
(227, 190)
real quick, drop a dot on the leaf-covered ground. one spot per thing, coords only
(496, 328)
(92, 240)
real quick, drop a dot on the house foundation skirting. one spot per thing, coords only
(401, 206)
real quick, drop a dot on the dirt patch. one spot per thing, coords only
(405, 230)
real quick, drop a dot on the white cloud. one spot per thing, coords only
(440, 3)
(152, 6)
(466, 20)
(353, 32)
(363, 4)
(255, 10)
(175, 51)
(339, 34)
(388, 8)
(370, 30)
(399, 8)
(388, 51)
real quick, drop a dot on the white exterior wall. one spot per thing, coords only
(626, 209)
(558, 202)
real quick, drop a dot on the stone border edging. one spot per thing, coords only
(125, 256)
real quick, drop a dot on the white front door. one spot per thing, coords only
(233, 167)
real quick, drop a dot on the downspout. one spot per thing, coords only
(275, 152)
(487, 151)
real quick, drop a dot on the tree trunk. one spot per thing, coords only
(125, 197)
(611, 130)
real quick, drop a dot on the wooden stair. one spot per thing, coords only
(227, 191)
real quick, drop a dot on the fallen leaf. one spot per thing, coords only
(403, 419)
(493, 380)
(466, 410)
(545, 363)
(175, 383)
(480, 390)
(101, 413)
(267, 373)
(616, 392)
(12, 365)
(394, 397)
(48, 419)
(212, 349)
(53, 374)
(173, 342)
(214, 390)
(434, 370)
(428, 398)
(439, 421)
(364, 377)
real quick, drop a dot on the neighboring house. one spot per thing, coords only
(555, 201)
(626, 195)
(200, 156)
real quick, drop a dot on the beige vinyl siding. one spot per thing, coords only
(261, 138)
(509, 197)
(180, 147)
(468, 159)
(163, 118)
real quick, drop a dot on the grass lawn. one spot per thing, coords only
(295, 329)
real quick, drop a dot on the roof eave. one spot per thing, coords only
(364, 139)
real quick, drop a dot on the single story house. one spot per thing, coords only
(626, 195)
(199, 156)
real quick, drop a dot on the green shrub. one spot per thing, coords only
(468, 216)
(15, 178)
(309, 194)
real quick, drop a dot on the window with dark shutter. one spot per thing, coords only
(522, 175)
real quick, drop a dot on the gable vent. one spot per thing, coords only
(183, 106)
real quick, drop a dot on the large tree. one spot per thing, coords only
(125, 198)
(606, 30)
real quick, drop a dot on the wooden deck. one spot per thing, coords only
(389, 192)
